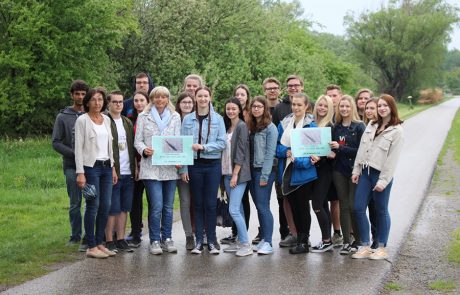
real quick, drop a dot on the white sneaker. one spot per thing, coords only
(363, 252)
(168, 246)
(155, 248)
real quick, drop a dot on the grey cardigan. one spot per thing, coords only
(240, 151)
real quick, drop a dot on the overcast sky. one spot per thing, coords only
(330, 13)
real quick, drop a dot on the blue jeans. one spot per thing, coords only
(364, 194)
(236, 210)
(122, 195)
(261, 196)
(204, 184)
(74, 193)
(160, 195)
(97, 210)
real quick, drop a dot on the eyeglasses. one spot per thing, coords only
(117, 101)
(186, 102)
(272, 89)
(293, 85)
(257, 107)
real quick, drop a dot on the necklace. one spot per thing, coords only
(96, 118)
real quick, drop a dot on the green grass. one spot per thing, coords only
(393, 287)
(33, 210)
(441, 285)
(405, 111)
(453, 252)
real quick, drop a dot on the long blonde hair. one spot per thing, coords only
(326, 120)
(354, 111)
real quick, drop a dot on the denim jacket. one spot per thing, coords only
(264, 150)
(213, 146)
(303, 171)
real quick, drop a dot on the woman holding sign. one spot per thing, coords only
(346, 136)
(297, 174)
(158, 119)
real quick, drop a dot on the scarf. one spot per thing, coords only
(161, 120)
(286, 138)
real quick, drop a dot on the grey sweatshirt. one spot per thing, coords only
(63, 138)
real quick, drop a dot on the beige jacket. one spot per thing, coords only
(381, 152)
(85, 142)
(147, 130)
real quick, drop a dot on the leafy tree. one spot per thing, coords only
(44, 45)
(405, 43)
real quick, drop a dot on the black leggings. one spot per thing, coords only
(319, 202)
(136, 211)
(300, 206)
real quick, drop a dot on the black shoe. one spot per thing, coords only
(134, 242)
(228, 240)
(322, 247)
(354, 246)
(301, 246)
(198, 249)
(213, 249)
(217, 245)
(122, 245)
(257, 239)
(111, 246)
(299, 249)
(374, 245)
(73, 241)
(346, 249)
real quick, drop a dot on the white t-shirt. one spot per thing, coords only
(123, 148)
(102, 142)
(227, 157)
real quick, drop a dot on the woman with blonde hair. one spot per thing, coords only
(323, 113)
(346, 136)
(158, 119)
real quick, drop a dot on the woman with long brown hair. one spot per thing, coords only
(375, 163)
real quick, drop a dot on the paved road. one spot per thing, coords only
(142, 273)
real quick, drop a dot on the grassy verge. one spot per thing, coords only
(33, 210)
(405, 111)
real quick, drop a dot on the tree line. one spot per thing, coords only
(45, 44)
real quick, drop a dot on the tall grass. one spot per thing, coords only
(33, 210)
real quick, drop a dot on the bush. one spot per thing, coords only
(430, 96)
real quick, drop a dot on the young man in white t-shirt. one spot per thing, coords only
(125, 166)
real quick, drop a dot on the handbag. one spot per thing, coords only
(224, 219)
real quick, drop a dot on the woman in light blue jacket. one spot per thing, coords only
(262, 139)
(209, 136)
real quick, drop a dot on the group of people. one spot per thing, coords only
(106, 144)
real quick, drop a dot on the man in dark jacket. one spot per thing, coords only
(63, 142)
(288, 235)
(294, 85)
(143, 82)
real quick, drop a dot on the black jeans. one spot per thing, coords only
(300, 205)
(136, 211)
(319, 198)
